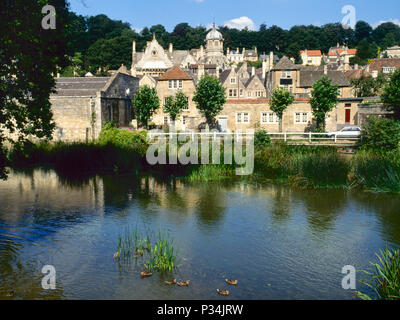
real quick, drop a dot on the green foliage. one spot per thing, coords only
(391, 92)
(175, 105)
(29, 58)
(157, 251)
(124, 138)
(380, 134)
(367, 86)
(324, 99)
(261, 138)
(376, 171)
(209, 97)
(280, 100)
(365, 50)
(385, 277)
(145, 102)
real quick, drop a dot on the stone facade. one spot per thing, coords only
(81, 106)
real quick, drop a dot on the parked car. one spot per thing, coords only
(346, 132)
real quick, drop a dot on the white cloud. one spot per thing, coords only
(395, 21)
(240, 23)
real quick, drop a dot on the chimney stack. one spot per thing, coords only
(171, 48)
(200, 71)
(253, 71)
(264, 69)
(271, 61)
(325, 70)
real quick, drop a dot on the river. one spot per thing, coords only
(278, 242)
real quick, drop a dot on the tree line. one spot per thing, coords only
(100, 42)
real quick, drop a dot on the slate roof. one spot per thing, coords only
(80, 86)
(286, 64)
(308, 78)
(356, 74)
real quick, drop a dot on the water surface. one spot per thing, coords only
(279, 242)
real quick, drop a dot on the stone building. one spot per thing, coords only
(340, 54)
(81, 106)
(311, 57)
(385, 66)
(155, 61)
(299, 79)
(168, 85)
(393, 52)
(243, 83)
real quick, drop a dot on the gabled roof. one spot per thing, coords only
(175, 73)
(286, 64)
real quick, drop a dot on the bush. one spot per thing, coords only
(261, 138)
(380, 134)
(124, 139)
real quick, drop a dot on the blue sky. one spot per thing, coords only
(237, 13)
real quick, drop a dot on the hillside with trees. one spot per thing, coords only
(106, 43)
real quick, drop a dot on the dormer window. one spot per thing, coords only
(154, 53)
(233, 80)
(175, 84)
(287, 74)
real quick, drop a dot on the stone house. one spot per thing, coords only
(384, 65)
(311, 57)
(243, 83)
(82, 105)
(299, 79)
(167, 86)
(393, 52)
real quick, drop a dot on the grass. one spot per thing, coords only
(212, 172)
(385, 278)
(377, 172)
(157, 251)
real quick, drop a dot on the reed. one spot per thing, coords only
(156, 251)
(385, 277)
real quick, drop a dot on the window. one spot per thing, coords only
(232, 93)
(233, 80)
(249, 94)
(241, 92)
(175, 84)
(166, 120)
(187, 106)
(388, 69)
(242, 117)
(184, 120)
(287, 74)
(301, 117)
(269, 117)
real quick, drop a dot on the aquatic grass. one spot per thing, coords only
(385, 278)
(210, 172)
(158, 252)
(377, 172)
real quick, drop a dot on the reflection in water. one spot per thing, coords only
(296, 241)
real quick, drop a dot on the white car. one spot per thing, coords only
(346, 132)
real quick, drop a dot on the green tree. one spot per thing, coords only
(209, 97)
(145, 102)
(363, 30)
(380, 134)
(367, 86)
(324, 99)
(391, 92)
(280, 100)
(175, 105)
